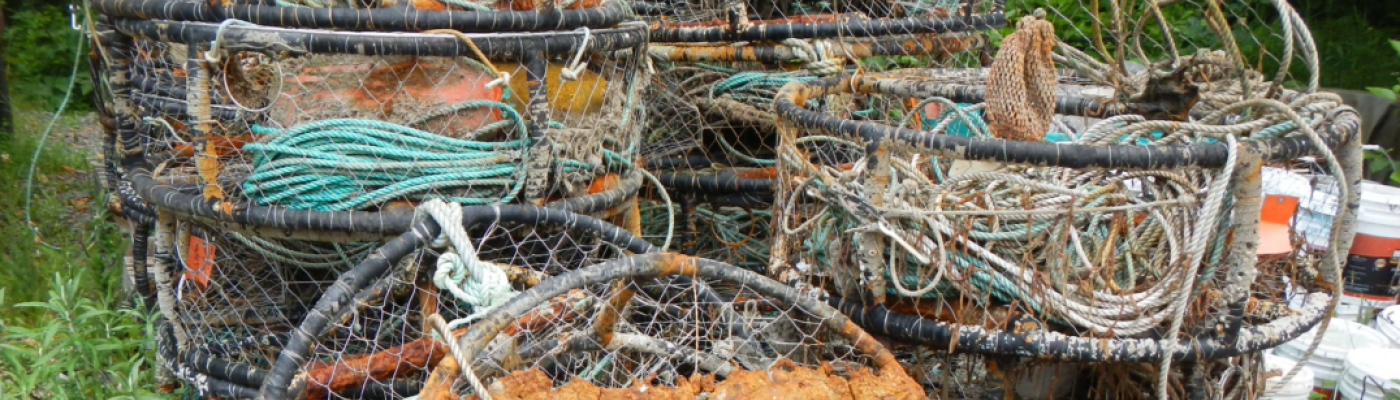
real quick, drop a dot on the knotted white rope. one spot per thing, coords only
(459, 272)
(815, 56)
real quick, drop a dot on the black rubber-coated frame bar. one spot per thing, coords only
(714, 183)
(1209, 155)
(849, 28)
(497, 46)
(245, 214)
(293, 355)
(1053, 346)
(627, 187)
(378, 19)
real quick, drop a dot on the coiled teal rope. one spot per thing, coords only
(346, 164)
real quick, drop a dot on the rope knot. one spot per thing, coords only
(459, 272)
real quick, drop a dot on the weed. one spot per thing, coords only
(65, 332)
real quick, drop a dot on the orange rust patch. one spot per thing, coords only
(223, 145)
(430, 5)
(786, 380)
(758, 173)
(439, 384)
(199, 263)
(606, 182)
(351, 372)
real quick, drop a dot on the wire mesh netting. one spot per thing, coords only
(442, 199)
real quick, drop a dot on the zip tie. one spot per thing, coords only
(503, 78)
(571, 72)
(214, 46)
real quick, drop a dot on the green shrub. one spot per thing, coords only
(39, 50)
(1388, 93)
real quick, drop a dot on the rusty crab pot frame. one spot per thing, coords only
(1339, 133)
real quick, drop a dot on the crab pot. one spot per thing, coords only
(1039, 249)
(265, 161)
(720, 63)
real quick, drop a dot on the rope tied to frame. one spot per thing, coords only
(576, 67)
(459, 272)
(215, 53)
(815, 56)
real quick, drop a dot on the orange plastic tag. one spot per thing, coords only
(199, 263)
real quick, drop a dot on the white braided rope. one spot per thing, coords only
(459, 272)
(463, 360)
(1200, 236)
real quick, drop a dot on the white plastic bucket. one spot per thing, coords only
(1360, 309)
(1375, 252)
(1297, 388)
(1378, 197)
(1326, 362)
(1370, 372)
(1388, 324)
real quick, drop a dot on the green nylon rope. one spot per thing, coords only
(352, 164)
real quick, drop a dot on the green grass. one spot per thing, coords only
(66, 331)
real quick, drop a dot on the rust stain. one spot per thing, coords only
(757, 173)
(351, 372)
(222, 145)
(439, 384)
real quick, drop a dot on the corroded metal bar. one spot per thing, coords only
(918, 45)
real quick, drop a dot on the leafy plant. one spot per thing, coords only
(1388, 93)
(63, 330)
(83, 350)
(1379, 161)
(39, 50)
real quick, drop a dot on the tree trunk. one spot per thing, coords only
(6, 117)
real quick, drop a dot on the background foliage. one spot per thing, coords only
(39, 49)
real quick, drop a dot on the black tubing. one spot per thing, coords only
(173, 362)
(499, 47)
(381, 19)
(293, 355)
(743, 200)
(714, 183)
(1211, 155)
(627, 187)
(1051, 346)
(849, 28)
(382, 222)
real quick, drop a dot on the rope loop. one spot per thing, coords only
(577, 66)
(215, 47)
